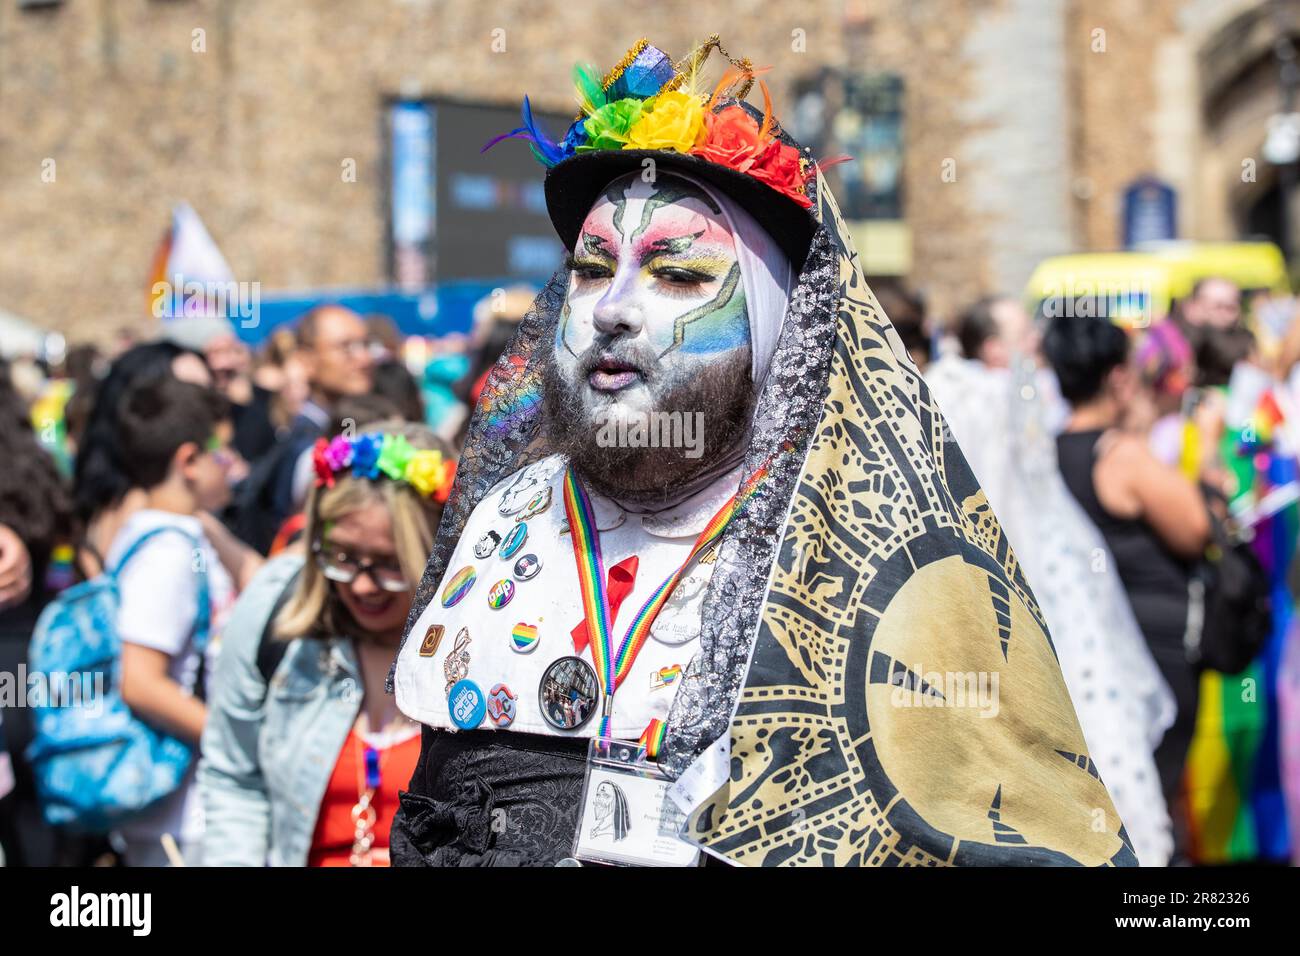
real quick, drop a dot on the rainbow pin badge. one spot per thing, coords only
(458, 586)
(523, 638)
(665, 676)
(501, 593)
(536, 504)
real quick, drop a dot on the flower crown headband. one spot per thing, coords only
(427, 470)
(648, 102)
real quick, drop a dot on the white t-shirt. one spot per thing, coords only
(159, 593)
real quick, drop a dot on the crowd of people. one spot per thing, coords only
(178, 467)
(1125, 460)
(1109, 453)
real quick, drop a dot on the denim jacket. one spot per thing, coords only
(268, 751)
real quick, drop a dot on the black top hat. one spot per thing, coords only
(573, 185)
(641, 103)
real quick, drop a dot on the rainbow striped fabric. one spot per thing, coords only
(652, 739)
(614, 664)
(1235, 806)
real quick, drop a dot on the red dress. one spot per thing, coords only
(331, 845)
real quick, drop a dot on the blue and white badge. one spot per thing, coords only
(467, 704)
(514, 540)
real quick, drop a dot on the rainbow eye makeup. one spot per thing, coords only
(587, 268)
(663, 253)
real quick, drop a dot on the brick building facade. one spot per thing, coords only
(1018, 131)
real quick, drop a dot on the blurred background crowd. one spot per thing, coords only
(1080, 215)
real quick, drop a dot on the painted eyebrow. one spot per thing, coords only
(669, 245)
(594, 244)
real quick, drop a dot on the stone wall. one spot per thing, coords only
(1020, 131)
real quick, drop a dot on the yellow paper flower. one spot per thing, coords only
(425, 471)
(676, 121)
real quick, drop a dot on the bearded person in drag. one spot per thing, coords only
(713, 584)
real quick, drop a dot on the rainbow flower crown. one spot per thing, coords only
(428, 471)
(648, 102)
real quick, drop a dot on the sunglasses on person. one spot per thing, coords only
(343, 567)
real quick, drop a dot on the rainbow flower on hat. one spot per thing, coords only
(649, 103)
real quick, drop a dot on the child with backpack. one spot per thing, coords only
(150, 624)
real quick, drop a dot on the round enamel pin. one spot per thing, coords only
(458, 586)
(514, 540)
(466, 704)
(486, 544)
(536, 504)
(501, 705)
(501, 593)
(524, 637)
(526, 568)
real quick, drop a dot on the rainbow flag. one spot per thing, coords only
(186, 266)
(1235, 804)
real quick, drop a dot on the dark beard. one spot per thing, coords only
(721, 389)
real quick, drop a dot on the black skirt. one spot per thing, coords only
(488, 798)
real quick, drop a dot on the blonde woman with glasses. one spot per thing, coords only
(304, 753)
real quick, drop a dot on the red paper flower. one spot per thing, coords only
(730, 139)
(324, 473)
(448, 476)
(778, 166)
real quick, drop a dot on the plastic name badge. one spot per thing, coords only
(627, 816)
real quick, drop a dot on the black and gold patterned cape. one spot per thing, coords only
(855, 606)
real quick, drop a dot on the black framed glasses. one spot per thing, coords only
(343, 567)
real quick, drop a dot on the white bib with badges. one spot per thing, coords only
(503, 617)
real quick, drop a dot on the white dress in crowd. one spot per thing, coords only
(1005, 424)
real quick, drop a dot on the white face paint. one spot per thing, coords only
(655, 294)
(650, 387)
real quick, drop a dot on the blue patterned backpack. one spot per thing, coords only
(97, 764)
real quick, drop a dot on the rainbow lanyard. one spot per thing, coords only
(613, 666)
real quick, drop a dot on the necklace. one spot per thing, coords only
(370, 768)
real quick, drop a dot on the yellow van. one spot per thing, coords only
(1138, 288)
(1253, 266)
(1133, 289)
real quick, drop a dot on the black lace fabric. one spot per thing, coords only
(788, 409)
(482, 798)
(505, 434)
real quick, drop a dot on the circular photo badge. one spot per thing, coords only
(458, 586)
(568, 693)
